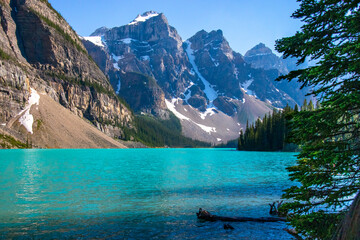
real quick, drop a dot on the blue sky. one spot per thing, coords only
(244, 23)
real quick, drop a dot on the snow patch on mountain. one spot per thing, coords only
(116, 66)
(127, 40)
(260, 54)
(172, 108)
(216, 63)
(246, 84)
(145, 58)
(207, 129)
(27, 119)
(245, 87)
(209, 91)
(187, 92)
(144, 17)
(116, 59)
(209, 111)
(97, 40)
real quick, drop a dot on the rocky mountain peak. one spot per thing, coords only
(261, 56)
(216, 34)
(214, 41)
(147, 45)
(202, 80)
(144, 17)
(259, 50)
(213, 34)
(99, 32)
(260, 45)
(147, 27)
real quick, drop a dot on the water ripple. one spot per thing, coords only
(138, 193)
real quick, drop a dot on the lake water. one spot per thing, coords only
(138, 193)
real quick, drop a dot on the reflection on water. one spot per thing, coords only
(29, 182)
(138, 193)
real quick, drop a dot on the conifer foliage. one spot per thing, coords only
(328, 167)
(155, 132)
(268, 134)
(272, 132)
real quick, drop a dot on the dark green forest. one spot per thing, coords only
(154, 132)
(271, 132)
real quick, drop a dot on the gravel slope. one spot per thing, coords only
(57, 127)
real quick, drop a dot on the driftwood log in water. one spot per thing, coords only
(205, 215)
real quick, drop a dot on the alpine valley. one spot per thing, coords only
(60, 90)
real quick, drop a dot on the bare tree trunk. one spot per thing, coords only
(205, 215)
(349, 228)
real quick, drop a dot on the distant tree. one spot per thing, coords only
(159, 133)
(328, 167)
(310, 106)
(305, 105)
(296, 109)
(241, 141)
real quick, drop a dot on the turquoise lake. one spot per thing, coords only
(139, 193)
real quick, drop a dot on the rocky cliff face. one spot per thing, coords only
(39, 49)
(151, 99)
(202, 80)
(228, 73)
(149, 45)
(216, 61)
(261, 57)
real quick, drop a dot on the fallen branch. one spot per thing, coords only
(205, 215)
(275, 209)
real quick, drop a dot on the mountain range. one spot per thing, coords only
(60, 90)
(211, 88)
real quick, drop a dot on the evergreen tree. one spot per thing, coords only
(296, 109)
(158, 133)
(328, 167)
(268, 134)
(241, 141)
(305, 105)
(310, 106)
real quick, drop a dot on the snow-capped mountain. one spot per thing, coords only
(144, 17)
(212, 89)
(261, 57)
